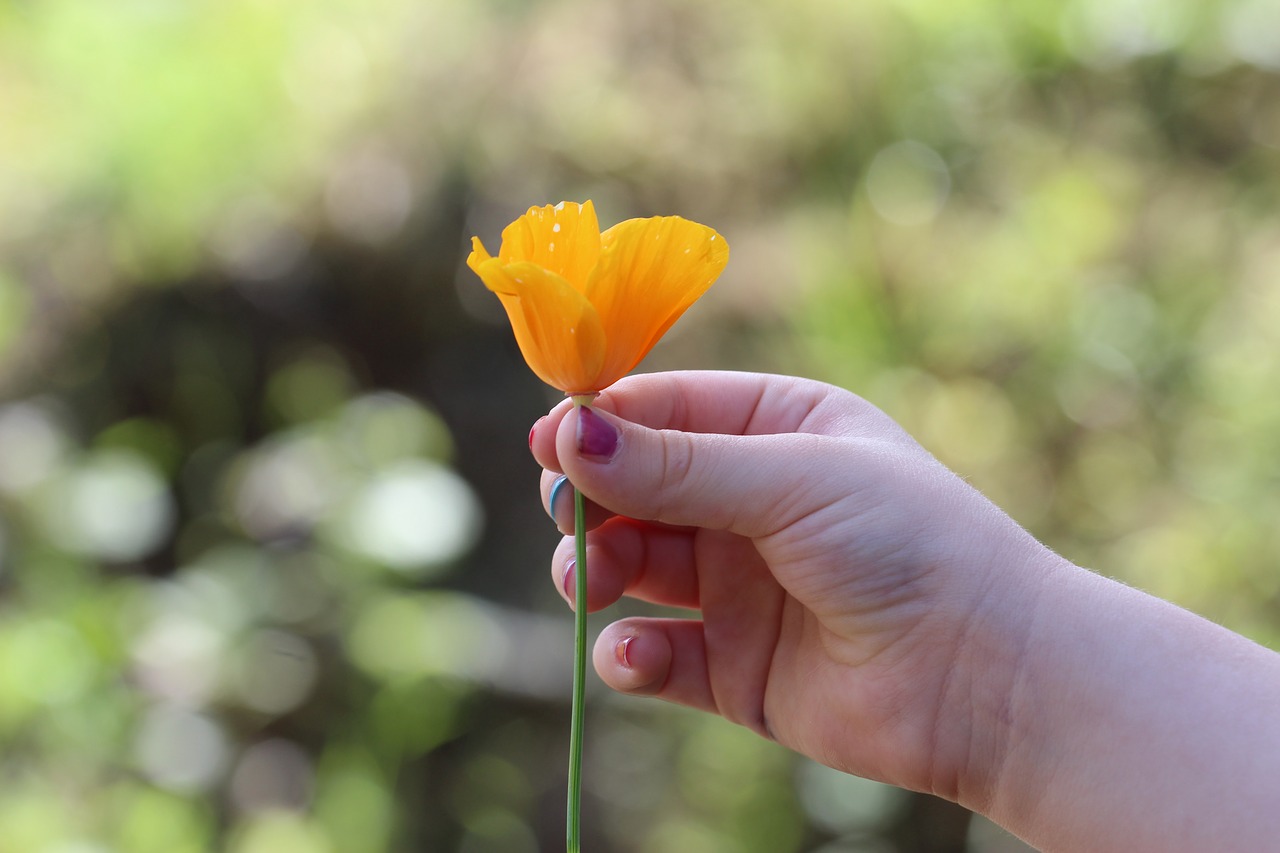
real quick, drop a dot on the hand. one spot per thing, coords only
(858, 602)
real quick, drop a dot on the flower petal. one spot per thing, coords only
(562, 238)
(479, 254)
(650, 272)
(557, 329)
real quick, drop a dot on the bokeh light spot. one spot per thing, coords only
(113, 505)
(280, 832)
(310, 386)
(32, 444)
(46, 661)
(369, 197)
(276, 672)
(178, 657)
(383, 427)
(286, 487)
(272, 774)
(435, 634)
(413, 517)
(180, 749)
(908, 183)
(840, 802)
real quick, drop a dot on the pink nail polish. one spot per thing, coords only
(622, 652)
(568, 581)
(597, 438)
(533, 430)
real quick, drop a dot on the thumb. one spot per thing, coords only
(753, 485)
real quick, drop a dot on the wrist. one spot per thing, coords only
(1126, 705)
(984, 709)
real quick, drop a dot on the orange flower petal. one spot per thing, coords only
(586, 307)
(650, 272)
(562, 238)
(557, 329)
(479, 254)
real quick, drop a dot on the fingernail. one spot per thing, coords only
(567, 580)
(622, 652)
(559, 484)
(534, 429)
(597, 438)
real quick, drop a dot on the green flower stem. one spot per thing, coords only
(573, 827)
(573, 819)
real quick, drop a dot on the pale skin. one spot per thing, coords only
(856, 601)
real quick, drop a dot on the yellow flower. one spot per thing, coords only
(585, 306)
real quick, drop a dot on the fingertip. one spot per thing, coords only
(596, 437)
(533, 430)
(542, 437)
(605, 585)
(560, 502)
(665, 658)
(633, 658)
(588, 434)
(563, 564)
(569, 583)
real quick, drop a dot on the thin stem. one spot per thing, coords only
(574, 818)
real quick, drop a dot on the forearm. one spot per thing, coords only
(1133, 725)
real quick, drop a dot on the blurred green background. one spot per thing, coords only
(273, 571)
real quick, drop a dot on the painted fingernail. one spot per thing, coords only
(597, 438)
(622, 652)
(567, 580)
(559, 484)
(534, 429)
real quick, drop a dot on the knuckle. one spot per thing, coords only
(676, 463)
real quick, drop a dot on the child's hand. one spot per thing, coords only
(850, 589)
(864, 606)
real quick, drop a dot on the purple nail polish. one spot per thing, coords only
(597, 438)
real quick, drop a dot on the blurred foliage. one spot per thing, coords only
(272, 568)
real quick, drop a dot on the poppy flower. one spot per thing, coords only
(587, 306)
